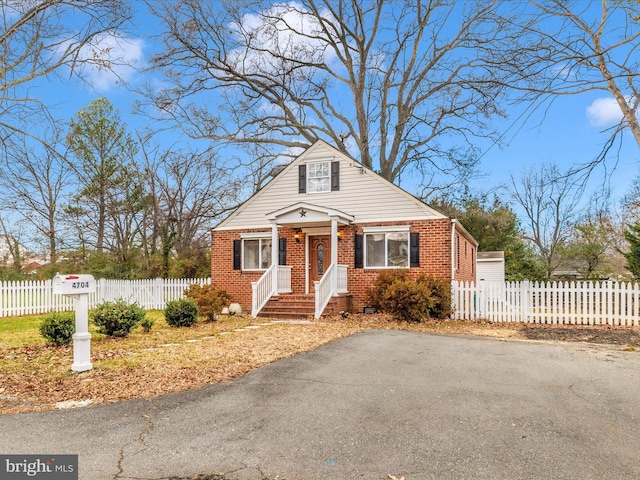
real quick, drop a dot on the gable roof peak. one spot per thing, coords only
(362, 193)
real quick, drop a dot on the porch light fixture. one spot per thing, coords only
(296, 235)
(340, 234)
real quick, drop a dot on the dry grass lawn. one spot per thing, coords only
(35, 376)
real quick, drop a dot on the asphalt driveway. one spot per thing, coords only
(376, 405)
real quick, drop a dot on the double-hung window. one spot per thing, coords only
(319, 177)
(386, 249)
(256, 253)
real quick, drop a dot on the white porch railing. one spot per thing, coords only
(262, 290)
(284, 279)
(324, 292)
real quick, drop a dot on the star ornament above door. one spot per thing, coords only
(303, 213)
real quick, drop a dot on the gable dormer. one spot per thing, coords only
(319, 176)
(325, 177)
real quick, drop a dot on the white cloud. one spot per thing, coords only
(287, 30)
(604, 112)
(13, 9)
(287, 155)
(110, 59)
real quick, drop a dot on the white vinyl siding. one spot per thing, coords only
(490, 270)
(363, 194)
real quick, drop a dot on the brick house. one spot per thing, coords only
(315, 237)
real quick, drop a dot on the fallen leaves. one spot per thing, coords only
(167, 360)
(133, 370)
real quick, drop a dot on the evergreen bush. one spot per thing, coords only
(118, 318)
(181, 313)
(57, 328)
(147, 324)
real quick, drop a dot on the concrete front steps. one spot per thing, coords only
(300, 306)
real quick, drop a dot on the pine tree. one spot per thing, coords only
(104, 165)
(632, 235)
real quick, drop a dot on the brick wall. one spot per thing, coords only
(238, 282)
(435, 256)
(465, 259)
(435, 260)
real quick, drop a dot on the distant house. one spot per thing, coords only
(321, 231)
(5, 251)
(490, 266)
(34, 263)
(564, 275)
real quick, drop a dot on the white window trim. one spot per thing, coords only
(254, 236)
(389, 228)
(385, 231)
(328, 163)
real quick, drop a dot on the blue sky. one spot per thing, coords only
(569, 131)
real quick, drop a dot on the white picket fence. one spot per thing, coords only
(34, 297)
(567, 303)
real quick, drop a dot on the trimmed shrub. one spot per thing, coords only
(395, 293)
(118, 318)
(57, 328)
(210, 300)
(147, 324)
(440, 290)
(181, 313)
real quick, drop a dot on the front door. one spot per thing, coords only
(319, 258)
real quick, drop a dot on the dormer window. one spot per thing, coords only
(319, 177)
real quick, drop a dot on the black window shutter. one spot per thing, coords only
(282, 251)
(335, 176)
(302, 178)
(414, 249)
(237, 245)
(359, 251)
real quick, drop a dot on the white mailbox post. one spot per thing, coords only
(78, 287)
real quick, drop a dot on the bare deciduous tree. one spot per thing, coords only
(12, 237)
(395, 84)
(572, 47)
(33, 183)
(193, 193)
(40, 39)
(550, 201)
(186, 192)
(592, 250)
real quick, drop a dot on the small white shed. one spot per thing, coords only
(490, 266)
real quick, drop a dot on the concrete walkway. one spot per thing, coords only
(375, 405)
